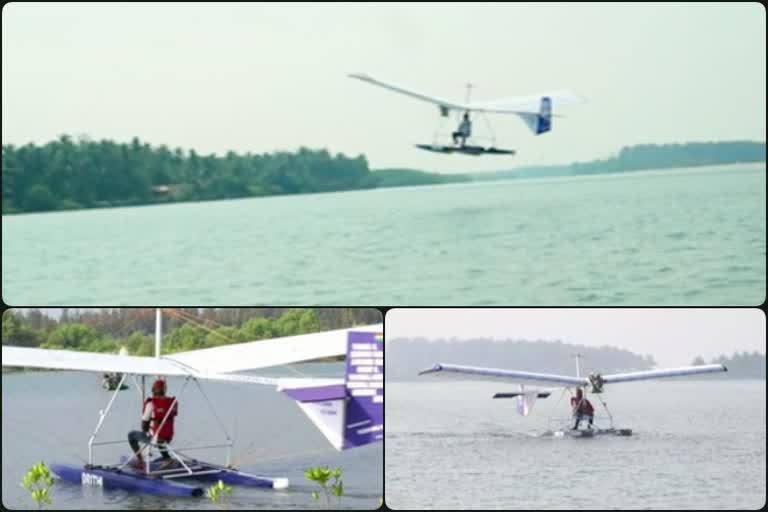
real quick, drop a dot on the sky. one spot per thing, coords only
(673, 336)
(267, 77)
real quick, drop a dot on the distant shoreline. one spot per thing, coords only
(147, 176)
(564, 172)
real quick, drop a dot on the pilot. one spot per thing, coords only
(156, 409)
(464, 130)
(582, 409)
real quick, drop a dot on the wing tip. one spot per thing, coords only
(432, 369)
(359, 76)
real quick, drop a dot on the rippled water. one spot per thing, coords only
(689, 237)
(49, 416)
(696, 444)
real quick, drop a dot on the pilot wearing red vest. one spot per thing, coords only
(582, 409)
(156, 419)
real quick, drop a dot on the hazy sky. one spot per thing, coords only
(673, 336)
(261, 77)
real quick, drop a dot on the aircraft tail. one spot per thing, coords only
(542, 121)
(350, 414)
(525, 399)
(365, 387)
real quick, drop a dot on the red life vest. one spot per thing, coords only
(161, 406)
(584, 407)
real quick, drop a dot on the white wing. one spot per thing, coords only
(455, 105)
(96, 362)
(253, 355)
(660, 374)
(526, 104)
(89, 361)
(529, 104)
(493, 374)
(213, 364)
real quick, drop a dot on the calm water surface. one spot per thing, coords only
(685, 237)
(697, 444)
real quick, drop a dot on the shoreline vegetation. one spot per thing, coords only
(111, 330)
(68, 175)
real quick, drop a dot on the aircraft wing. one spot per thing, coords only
(660, 374)
(494, 374)
(526, 104)
(515, 105)
(253, 355)
(214, 363)
(446, 104)
(536, 110)
(88, 361)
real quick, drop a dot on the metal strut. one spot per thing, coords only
(605, 406)
(102, 416)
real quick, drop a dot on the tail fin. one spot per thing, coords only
(365, 385)
(525, 399)
(541, 122)
(350, 414)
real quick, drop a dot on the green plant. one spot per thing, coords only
(37, 481)
(322, 476)
(218, 494)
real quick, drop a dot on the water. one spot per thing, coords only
(50, 415)
(685, 237)
(696, 445)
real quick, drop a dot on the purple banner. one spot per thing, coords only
(364, 419)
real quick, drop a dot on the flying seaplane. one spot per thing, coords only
(348, 411)
(536, 110)
(594, 383)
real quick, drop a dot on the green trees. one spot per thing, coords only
(138, 344)
(109, 330)
(64, 174)
(78, 336)
(741, 365)
(16, 333)
(658, 156)
(186, 337)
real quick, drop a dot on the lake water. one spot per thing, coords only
(49, 416)
(696, 445)
(684, 237)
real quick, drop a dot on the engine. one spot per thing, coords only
(597, 382)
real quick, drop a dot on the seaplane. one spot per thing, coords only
(536, 110)
(348, 411)
(577, 386)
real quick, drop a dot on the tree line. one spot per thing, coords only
(109, 330)
(67, 174)
(659, 156)
(741, 365)
(646, 156)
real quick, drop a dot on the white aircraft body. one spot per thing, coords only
(536, 110)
